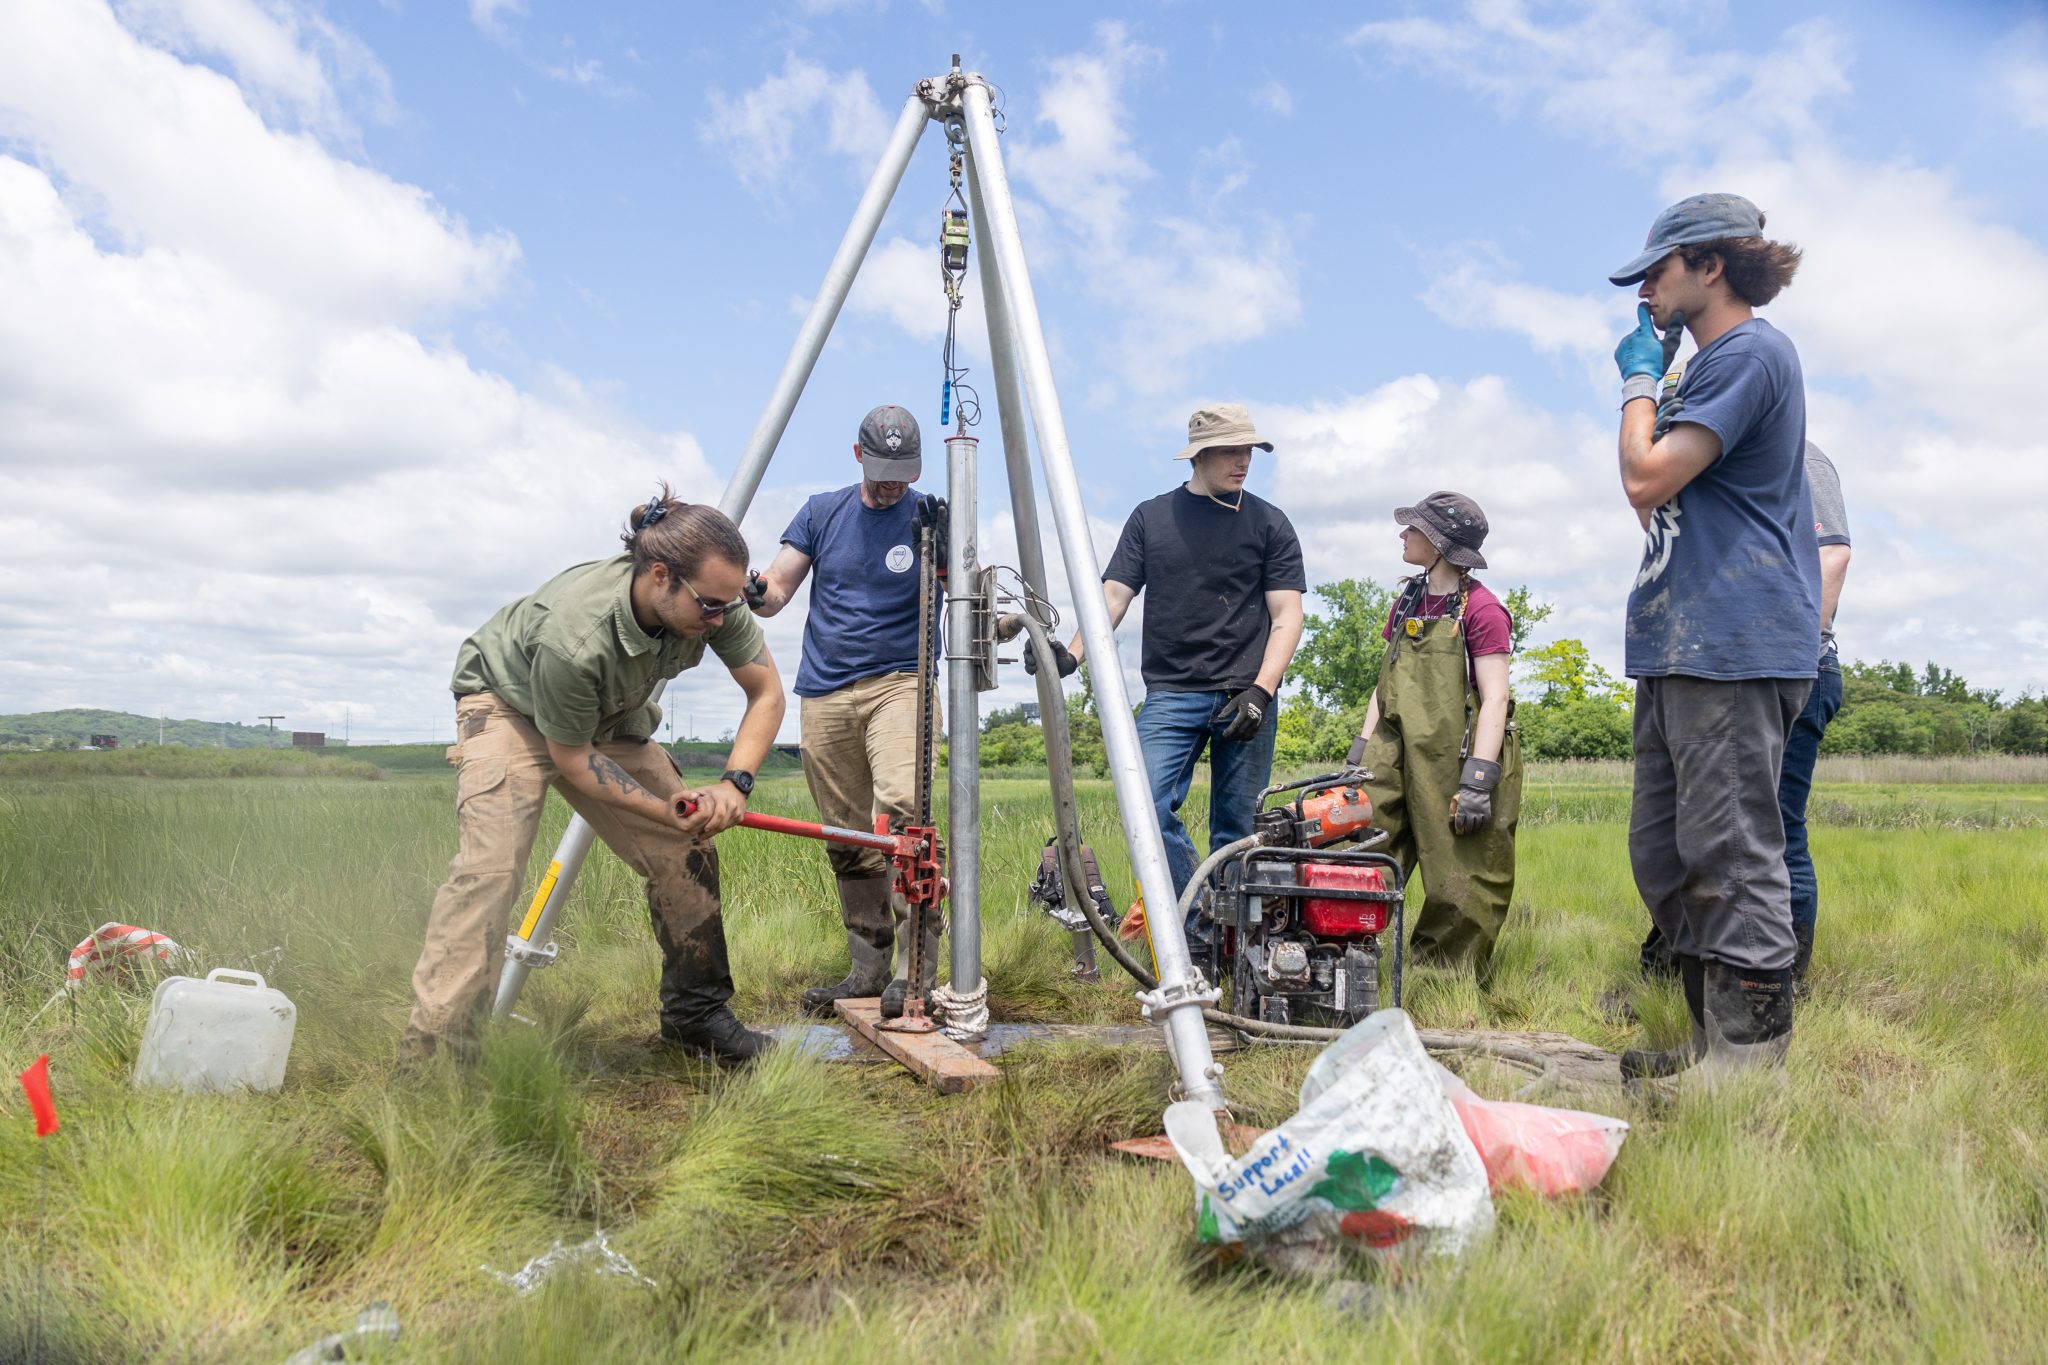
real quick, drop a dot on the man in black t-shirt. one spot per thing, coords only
(1222, 574)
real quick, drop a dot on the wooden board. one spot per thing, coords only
(946, 1066)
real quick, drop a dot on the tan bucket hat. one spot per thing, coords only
(1221, 424)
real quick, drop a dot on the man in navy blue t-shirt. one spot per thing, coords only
(1723, 622)
(858, 679)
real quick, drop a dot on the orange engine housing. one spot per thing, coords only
(1335, 814)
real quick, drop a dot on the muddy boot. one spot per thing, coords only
(892, 998)
(1802, 957)
(1749, 1020)
(864, 908)
(720, 1037)
(1640, 1063)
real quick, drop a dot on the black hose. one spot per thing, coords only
(1067, 828)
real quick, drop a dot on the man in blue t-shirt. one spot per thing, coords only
(1723, 623)
(858, 679)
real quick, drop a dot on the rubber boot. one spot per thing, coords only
(864, 908)
(1802, 957)
(720, 1036)
(892, 997)
(1749, 1020)
(1641, 1063)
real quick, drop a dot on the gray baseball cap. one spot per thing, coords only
(889, 448)
(1702, 218)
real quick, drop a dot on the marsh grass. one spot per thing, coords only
(1889, 1202)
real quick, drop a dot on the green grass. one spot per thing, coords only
(1889, 1203)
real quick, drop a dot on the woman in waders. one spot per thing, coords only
(1439, 756)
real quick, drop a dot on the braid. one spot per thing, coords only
(1464, 595)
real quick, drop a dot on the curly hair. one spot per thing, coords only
(1756, 269)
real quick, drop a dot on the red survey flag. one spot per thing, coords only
(35, 1083)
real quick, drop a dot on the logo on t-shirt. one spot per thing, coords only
(1658, 542)
(898, 559)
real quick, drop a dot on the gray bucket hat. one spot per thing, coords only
(889, 447)
(1453, 523)
(1221, 424)
(1702, 218)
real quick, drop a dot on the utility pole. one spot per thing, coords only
(160, 716)
(273, 722)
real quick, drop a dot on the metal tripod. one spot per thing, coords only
(1023, 372)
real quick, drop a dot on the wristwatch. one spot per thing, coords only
(740, 778)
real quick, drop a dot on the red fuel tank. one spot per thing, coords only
(1327, 918)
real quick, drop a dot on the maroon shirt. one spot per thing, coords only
(1488, 628)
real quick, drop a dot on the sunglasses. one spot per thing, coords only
(707, 607)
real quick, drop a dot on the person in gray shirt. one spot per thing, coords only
(1802, 745)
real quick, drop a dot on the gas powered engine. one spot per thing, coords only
(1297, 920)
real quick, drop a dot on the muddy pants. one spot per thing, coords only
(860, 761)
(1413, 761)
(501, 786)
(1705, 836)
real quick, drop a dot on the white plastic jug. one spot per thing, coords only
(216, 1034)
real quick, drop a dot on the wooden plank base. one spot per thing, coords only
(938, 1061)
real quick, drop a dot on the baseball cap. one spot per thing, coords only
(1702, 218)
(889, 448)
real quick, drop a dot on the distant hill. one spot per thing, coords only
(69, 729)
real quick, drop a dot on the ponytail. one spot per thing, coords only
(682, 535)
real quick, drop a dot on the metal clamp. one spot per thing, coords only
(1171, 995)
(543, 955)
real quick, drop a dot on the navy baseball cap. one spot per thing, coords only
(1702, 218)
(889, 445)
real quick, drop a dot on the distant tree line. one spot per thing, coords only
(1567, 706)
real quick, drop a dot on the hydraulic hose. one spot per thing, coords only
(1067, 827)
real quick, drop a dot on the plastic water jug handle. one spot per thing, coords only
(218, 972)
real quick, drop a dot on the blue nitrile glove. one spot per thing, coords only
(1641, 351)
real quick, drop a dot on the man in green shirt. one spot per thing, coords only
(556, 689)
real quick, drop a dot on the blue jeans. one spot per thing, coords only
(1173, 729)
(1795, 783)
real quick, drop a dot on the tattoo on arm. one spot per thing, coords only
(760, 658)
(605, 772)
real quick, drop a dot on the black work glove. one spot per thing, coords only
(932, 512)
(1242, 715)
(1356, 758)
(1064, 661)
(756, 591)
(1472, 803)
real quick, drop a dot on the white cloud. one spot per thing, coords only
(1905, 278)
(2022, 73)
(1274, 97)
(287, 57)
(1182, 287)
(759, 130)
(1606, 72)
(492, 16)
(225, 490)
(169, 154)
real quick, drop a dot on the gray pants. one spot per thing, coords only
(1705, 836)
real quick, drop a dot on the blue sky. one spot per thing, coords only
(331, 328)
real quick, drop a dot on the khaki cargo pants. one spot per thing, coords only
(501, 787)
(860, 760)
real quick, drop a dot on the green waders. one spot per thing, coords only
(1413, 762)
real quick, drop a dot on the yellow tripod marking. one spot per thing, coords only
(540, 900)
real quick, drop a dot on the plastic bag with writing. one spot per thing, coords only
(1375, 1158)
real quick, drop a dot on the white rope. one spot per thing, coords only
(966, 1015)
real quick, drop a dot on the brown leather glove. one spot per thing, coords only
(1472, 803)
